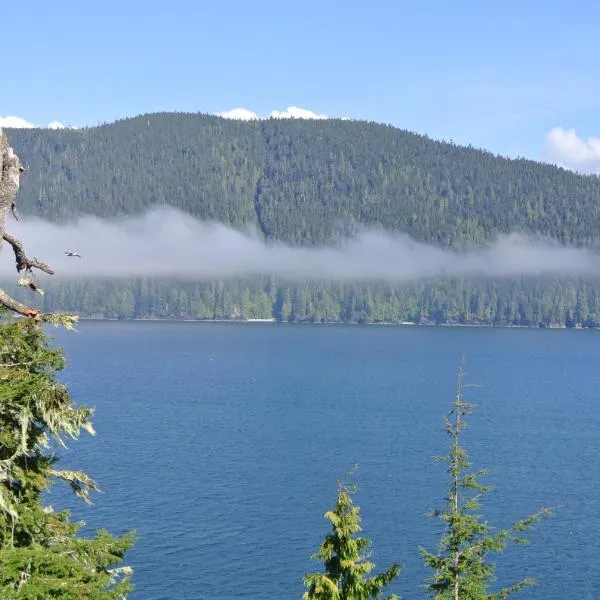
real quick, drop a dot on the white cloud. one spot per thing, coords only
(566, 149)
(293, 112)
(241, 114)
(16, 123)
(12, 122)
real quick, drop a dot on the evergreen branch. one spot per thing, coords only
(6, 506)
(80, 483)
(512, 589)
(66, 320)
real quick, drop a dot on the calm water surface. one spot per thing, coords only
(221, 445)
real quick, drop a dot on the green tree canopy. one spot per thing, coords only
(462, 569)
(41, 553)
(346, 575)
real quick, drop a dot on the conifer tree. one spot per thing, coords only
(41, 555)
(345, 558)
(462, 566)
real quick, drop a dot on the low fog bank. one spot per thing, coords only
(165, 242)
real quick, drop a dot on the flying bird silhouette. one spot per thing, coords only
(73, 254)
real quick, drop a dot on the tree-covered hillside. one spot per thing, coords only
(302, 181)
(305, 182)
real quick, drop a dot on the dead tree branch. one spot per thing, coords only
(18, 307)
(22, 261)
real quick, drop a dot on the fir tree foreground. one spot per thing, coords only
(462, 567)
(41, 555)
(344, 555)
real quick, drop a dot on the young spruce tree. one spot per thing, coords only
(41, 555)
(462, 567)
(344, 555)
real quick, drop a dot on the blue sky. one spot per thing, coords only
(499, 75)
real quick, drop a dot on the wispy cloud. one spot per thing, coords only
(12, 122)
(165, 242)
(292, 112)
(241, 114)
(566, 149)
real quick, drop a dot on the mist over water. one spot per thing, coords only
(165, 242)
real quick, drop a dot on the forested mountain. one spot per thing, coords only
(304, 182)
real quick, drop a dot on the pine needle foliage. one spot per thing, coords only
(41, 555)
(345, 557)
(462, 567)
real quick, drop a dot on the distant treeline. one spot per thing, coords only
(527, 302)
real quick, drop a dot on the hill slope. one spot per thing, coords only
(302, 181)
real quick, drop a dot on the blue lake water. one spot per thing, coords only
(221, 445)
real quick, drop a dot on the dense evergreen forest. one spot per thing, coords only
(304, 182)
(528, 302)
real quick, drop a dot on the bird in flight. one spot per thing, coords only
(73, 254)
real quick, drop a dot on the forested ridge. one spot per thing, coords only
(305, 182)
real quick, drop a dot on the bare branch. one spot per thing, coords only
(22, 261)
(21, 309)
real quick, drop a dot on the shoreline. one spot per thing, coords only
(372, 324)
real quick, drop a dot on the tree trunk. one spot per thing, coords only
(11, 170)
